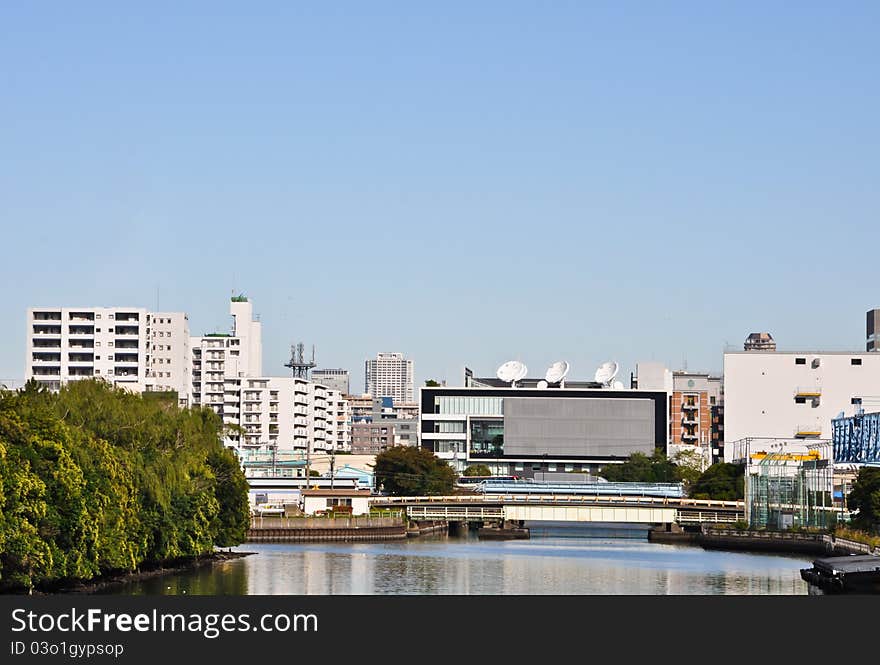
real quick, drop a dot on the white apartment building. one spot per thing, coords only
(118, 344)
(390, 375)
(217, 357)
(793, 395)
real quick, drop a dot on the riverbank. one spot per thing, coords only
(107, 583)
(308, 529)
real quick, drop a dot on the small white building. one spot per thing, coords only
(316, 501)
(793, 395)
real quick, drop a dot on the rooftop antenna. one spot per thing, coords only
(557, 372)
(606, 372)
(511, 372)
(299, 366)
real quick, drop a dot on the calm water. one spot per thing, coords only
(557, 560)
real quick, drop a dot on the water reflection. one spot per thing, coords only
(554, 561)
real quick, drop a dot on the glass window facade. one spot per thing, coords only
(487, 437)
(469, 406)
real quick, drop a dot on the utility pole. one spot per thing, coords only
(332, 465)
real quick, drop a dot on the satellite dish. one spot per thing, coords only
(606, 373)
(556, 372)
(542, 385)
(617, 385)
(511, 372)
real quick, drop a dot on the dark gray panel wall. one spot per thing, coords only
(598, 427)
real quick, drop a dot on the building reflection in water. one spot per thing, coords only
(544, 565)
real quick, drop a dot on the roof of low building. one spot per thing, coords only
(336, 492)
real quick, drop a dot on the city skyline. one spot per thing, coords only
(587, 183)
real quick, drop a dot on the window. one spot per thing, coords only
(800, 400)
(99, 330)
(800, 361)
(856, 400)
(855, 361)
(97, 316)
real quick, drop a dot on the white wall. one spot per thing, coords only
(760, 388)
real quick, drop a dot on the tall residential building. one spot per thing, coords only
(127, 346)
(390, 375)
(872, 332)
(334, 379)
(792, 395)
(217, 357)
(762, 341)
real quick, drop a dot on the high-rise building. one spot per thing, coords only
(390, 375)
(127, 346)
(759, 342)
(221, 358)
(334, 379)
(872, 333)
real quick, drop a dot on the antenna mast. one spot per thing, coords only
(299, 366)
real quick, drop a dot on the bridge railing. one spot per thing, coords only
(500, 499)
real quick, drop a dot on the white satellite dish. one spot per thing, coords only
(617, 385)
(606, 372)
(542, 384)
(511, 372)
(556, 372)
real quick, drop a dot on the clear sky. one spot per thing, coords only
(465, 182)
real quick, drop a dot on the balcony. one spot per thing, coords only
(127, 316)
(47, 371)
(690, 420)
(47, 316)
(689, 407)
(125, 343)
(808, 391)
(81, 358)
(808, 432)
(81, 316)
(81, 331)
(127, 330)
(47, 330)
(44, 358)
(690, 437)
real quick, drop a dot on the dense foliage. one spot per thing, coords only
(864, 499)
(721, 481)
(640, 468)
(477, 470)
(413, 471)
(97, 480)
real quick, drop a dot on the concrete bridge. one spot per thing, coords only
(571, 508)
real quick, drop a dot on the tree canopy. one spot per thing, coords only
(413, 471)
(864, 499)
(477, 470)
(96, 480)
(640, 468)
(721, 481)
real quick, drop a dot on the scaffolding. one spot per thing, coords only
(787, 490)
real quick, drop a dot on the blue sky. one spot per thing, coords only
(463, 182)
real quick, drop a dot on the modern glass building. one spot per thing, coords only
(522, 431)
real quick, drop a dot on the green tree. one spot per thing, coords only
(721, 481)
(864, 499)
(477, 470)
(431, 383)
(690, 465)
(640, 468)
(413, 471)
(94, 479)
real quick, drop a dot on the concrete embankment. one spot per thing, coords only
(778, 541)
(306, 529)
(417, 529)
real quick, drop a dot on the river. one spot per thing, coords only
(556, 560)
